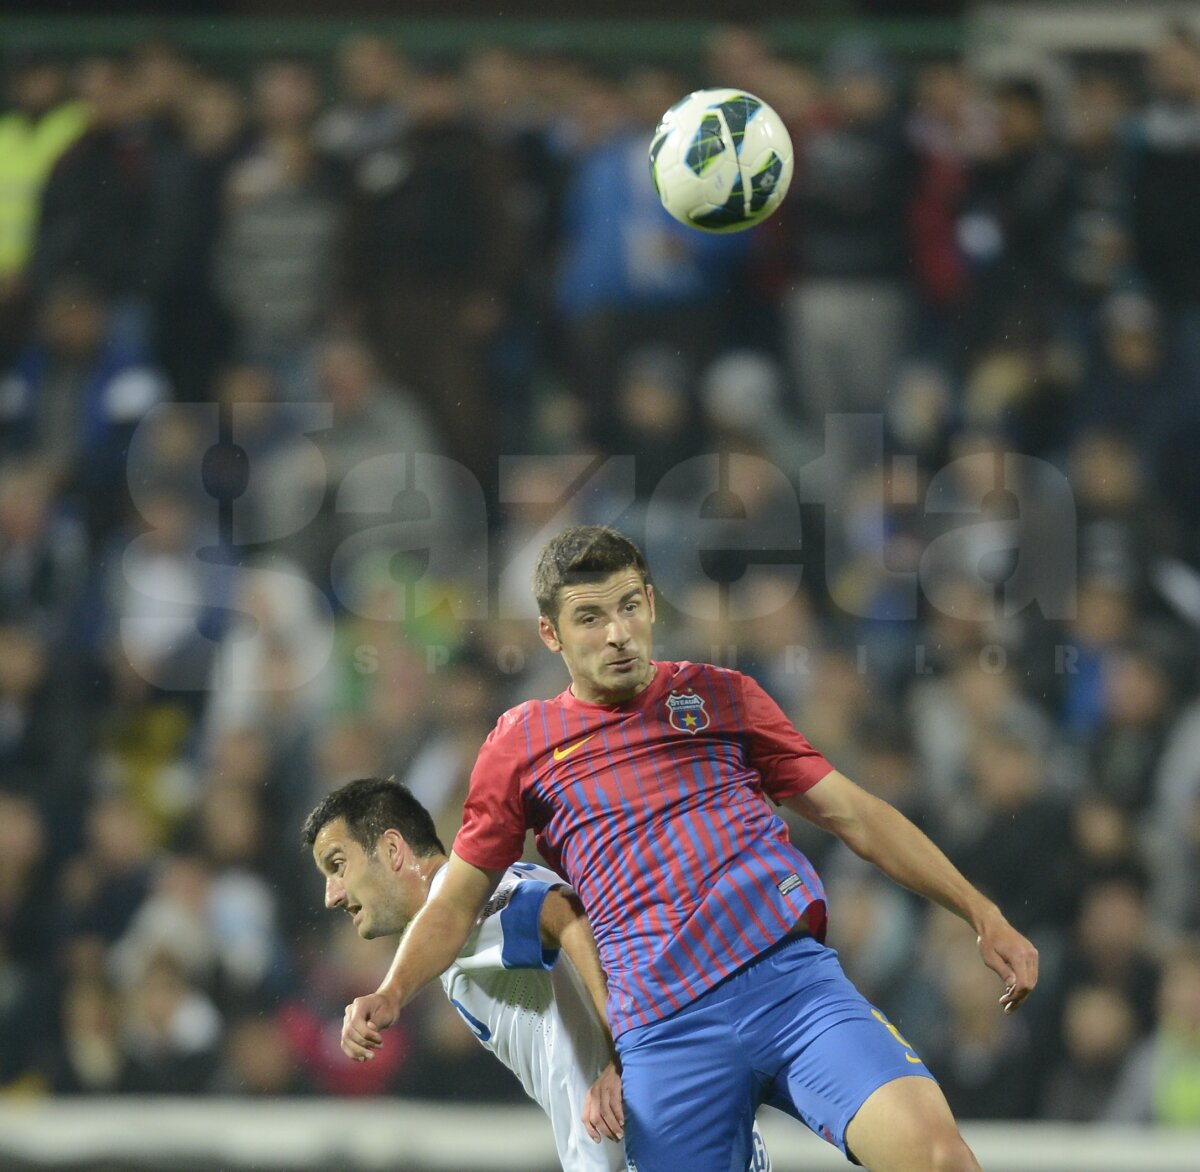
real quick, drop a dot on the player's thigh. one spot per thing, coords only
(689, 1096)
(825, 1082)
(830, 1049)
(906, 1126)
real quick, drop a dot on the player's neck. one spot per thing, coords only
(430, 867)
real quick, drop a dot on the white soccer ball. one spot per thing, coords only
(721, 160)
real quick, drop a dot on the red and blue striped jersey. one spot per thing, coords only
(657, 812)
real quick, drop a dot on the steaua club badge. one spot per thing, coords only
(687, 712)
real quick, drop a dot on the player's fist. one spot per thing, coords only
(1013, 958)
(362, 1025)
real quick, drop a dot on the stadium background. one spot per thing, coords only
(241, 256)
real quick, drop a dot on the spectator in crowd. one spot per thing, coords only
(363, 130)
(1174, 825)
(1159, 1081)
(848, 316)
(170, 1031)
(1100, 1028)
(342, 962)
(984, 1065)
(90, 1058)
(26, 946)
(74, 395)
(952, 712)
(105, 883)
(1131, 384)
(1014, 218)
(282, 230)
(377, 446)
(113, 211)
(430, 260)
(640, 277)
(1017, 838)
(257, 1060)
(43, 551)
(1099, 254)
(940, 129)
(41, 123)
(158, 593)
(1123, 535)
(45, 725)
(1139, 707)
(1112, 943)
(1163, 188)
(194, 328)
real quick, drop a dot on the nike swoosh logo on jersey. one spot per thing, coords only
(913, 1059)
(562, 754)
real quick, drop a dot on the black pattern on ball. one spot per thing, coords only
(738, 111)
(763, 182)
(732, 211)
(706, 146)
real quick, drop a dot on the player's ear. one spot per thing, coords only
(548, 634)
(650, 599)
(392, 849)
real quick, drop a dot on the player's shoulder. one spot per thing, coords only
(531, 873)
(684, 673)
(520, 894)
(516, 721)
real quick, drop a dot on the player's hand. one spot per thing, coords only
(365, 1019)
(603, 1114)
(1007, 953)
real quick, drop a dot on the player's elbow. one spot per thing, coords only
(562, 909)
(856, 823)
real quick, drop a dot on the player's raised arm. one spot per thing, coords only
(879, 833)
(433, 940)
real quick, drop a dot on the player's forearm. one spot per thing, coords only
(577, 941)
(428, 948)
(883, 836)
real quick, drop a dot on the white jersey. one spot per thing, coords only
(533, 1012)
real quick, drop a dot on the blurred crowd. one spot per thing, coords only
(300, 362)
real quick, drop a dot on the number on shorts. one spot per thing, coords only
(910, 1054)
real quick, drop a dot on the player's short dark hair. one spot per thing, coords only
(583, 553)
(371, 805)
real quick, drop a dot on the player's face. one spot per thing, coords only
(604, 632)
(369, 887)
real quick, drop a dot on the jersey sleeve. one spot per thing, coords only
(492, 835)
(786, 762)
(509, 933)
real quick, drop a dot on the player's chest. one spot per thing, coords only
(676, 747)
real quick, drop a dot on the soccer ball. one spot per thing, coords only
(721, 160)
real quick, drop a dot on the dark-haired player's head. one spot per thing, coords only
(597, 610)
(583, 553)
(372, 805)
(377, 847)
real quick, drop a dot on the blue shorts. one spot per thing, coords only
(789, 1030)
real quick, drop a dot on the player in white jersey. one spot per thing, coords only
(539, 1012)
